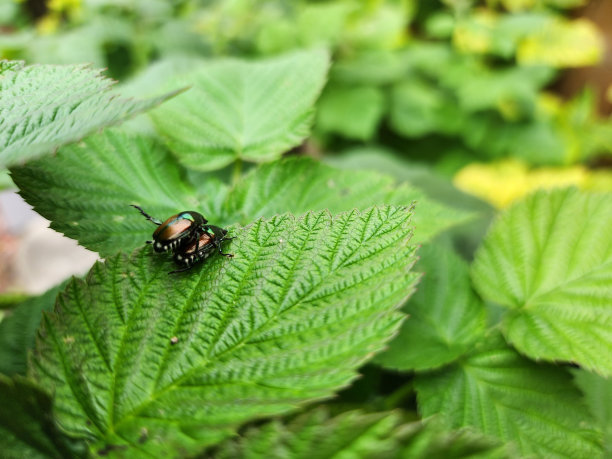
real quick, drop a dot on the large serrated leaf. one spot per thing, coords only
(45, 106)
(549, 260)
(303, 303)
(236, 109)
(94, 208)
(27, 427)
(446, 316)
(507, 396)
(316, 435)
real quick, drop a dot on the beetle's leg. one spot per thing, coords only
(147, 216)
(186, 268)
(228, 255)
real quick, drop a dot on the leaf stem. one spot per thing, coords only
(237, 172)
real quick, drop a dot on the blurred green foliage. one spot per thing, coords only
(457, 80)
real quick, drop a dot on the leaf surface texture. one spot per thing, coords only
(237, 109)
(504, 395)
(548, 259)
(301, 305)
(45, 106)
(446, 318)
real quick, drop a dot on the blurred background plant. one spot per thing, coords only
(440, 83)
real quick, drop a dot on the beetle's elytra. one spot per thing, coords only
(176, 231)
(206, 245)
(188, 236)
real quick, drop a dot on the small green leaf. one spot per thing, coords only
(303, 303)
(548, 259)
(354, 112)
(598, 395)
(18, 331)
(93, 208)
(45, 106)
(27, 427)
(419, 108)
(5, 180)
(446, 318)
(370, 68)
(507, 396)
(300, 184)
(253, 111)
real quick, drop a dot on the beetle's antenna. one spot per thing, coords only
(147, 216)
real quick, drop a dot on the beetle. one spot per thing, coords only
(177, 231)
(202, 248)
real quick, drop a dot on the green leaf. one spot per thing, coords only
(45, 106)
(355, 434)
(253, 111)
(27, 428)
(539, 142)
(446, 318)
(421, 175)
(370, 68)
(93, 208)
(5, 180)
(18, 331)
(419, 108)
(598, 395)
(301, 184)
(507, 396)
(354, 112)
(303, 303)
(548, 259)
(430, 439)
(316, 435)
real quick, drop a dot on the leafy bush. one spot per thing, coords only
(362, 262)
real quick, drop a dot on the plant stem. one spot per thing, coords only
(237, 172)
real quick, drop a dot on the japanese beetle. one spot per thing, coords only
(200, 249)
(176, 231)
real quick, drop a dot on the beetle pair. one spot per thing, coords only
(188, 236)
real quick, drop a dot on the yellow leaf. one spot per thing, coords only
(599, 181)
(518, 5)
(503, 182)
(474, 35)
(562, 43)
(48, 24)
(63, 5)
